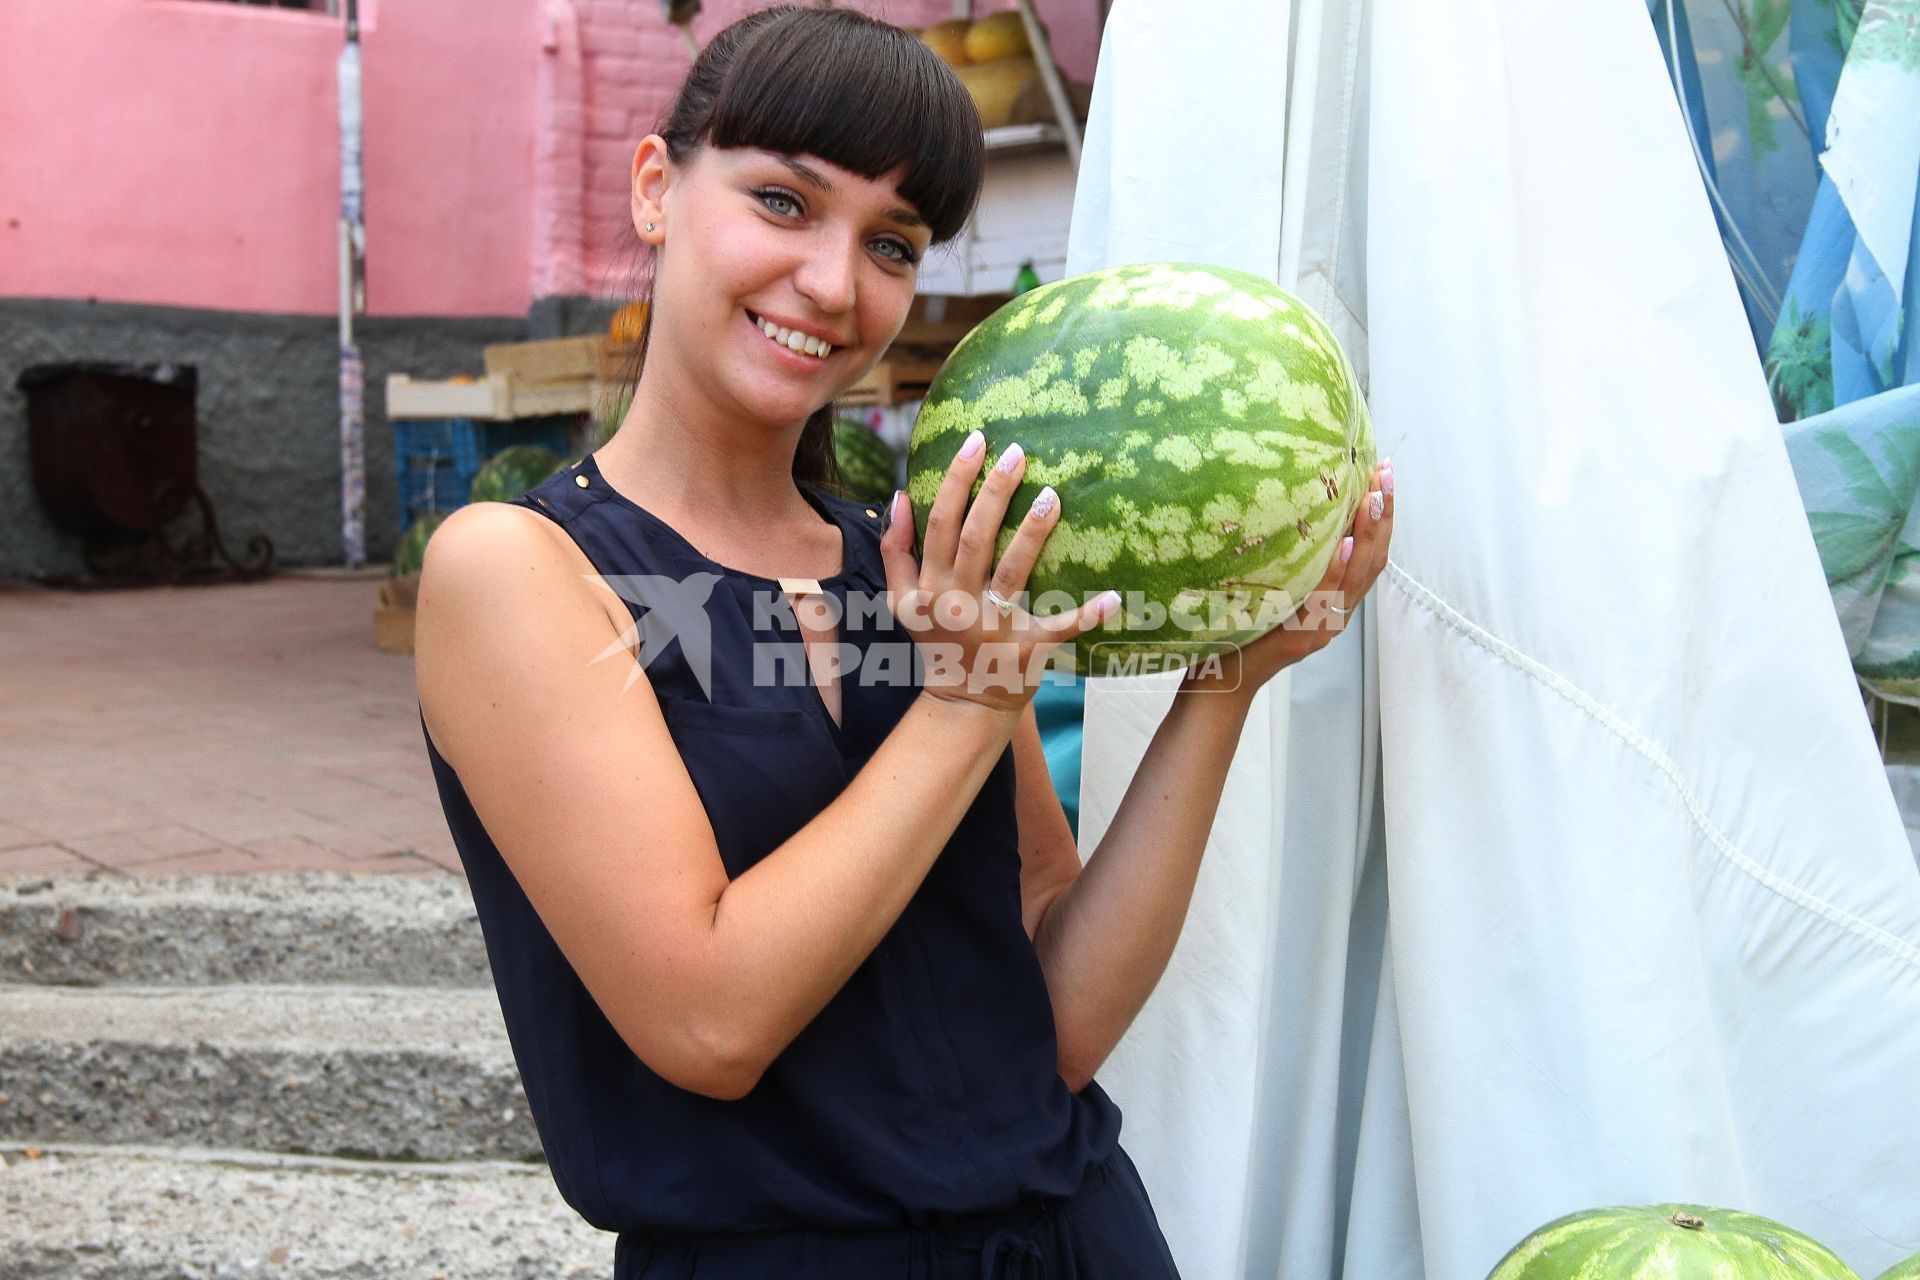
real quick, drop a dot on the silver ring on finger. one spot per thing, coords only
(1334, 608)
(999, 601)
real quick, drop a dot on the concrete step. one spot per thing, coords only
(139, 1214)
(390, 1073)
(305, 927)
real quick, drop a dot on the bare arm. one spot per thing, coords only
(1105, 938)
(1107, 931)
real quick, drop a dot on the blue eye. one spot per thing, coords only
(771, 198)
(902, 251)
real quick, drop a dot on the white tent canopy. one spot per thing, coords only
(1570, 876)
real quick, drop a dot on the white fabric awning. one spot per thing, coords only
(1570, 876)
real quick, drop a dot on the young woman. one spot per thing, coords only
(803, 976)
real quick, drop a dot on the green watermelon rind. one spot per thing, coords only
(868, 465)
(511, 472)
(411, 551)
(1642, 1242)
(1216, 382)
(1906, 1269)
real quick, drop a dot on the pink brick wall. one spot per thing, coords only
(498, 140)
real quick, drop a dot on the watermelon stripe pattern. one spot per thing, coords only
(866, 463)
(1669, 1242)
(1203, 428)
(511, 472)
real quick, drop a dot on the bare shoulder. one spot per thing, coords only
(500, 585)
(493, 548)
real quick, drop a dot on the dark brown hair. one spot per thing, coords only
(856, 92)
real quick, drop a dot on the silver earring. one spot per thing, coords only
(649, 226)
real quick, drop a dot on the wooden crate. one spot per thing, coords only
(393, 615)
(550, 360)
(937, 322)
(498, 397)
(615, 359)
(891, 381)
(488, 398)
(543, 399)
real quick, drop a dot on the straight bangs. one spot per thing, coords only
(860, 94)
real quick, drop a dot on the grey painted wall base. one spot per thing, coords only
(268, 409)
(563, 315)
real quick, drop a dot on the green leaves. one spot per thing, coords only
(1800, 365)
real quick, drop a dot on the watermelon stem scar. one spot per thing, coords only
(1688, 1221)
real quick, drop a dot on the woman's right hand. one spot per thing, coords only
(973, 652)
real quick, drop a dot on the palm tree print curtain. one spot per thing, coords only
(1805, 116)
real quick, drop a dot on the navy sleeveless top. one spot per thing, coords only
(928, 1087)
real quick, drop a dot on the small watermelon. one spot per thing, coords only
(1204, 431)
(411, 552)
(1669, 1242)
(1908, 1270)
(868, 465)
(512, 471)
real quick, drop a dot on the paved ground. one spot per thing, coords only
(219, 728)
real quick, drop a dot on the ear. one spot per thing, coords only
(652, 174)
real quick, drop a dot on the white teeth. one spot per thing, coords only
(794, 340)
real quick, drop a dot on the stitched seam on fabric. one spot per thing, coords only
(1862, 929)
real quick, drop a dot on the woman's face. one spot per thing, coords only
(753, 241)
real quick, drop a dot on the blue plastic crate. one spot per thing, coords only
(436, 459)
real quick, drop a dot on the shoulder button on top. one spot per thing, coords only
(581, 481)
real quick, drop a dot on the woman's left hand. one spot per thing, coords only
(1314, 625)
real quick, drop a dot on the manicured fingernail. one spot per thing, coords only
(1386, 477)
(893, 508)
(975, 443)
(1011, 458)
(1376, 504)
(1105, 603)
(1043, 504)
(1346, 550)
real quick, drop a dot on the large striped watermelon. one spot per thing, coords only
(1204, 430)
(1669, 1242)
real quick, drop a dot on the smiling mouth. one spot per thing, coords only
(792, 339)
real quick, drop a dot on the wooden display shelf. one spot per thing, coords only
(616, 359)
(891, 382)
(548, 360)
